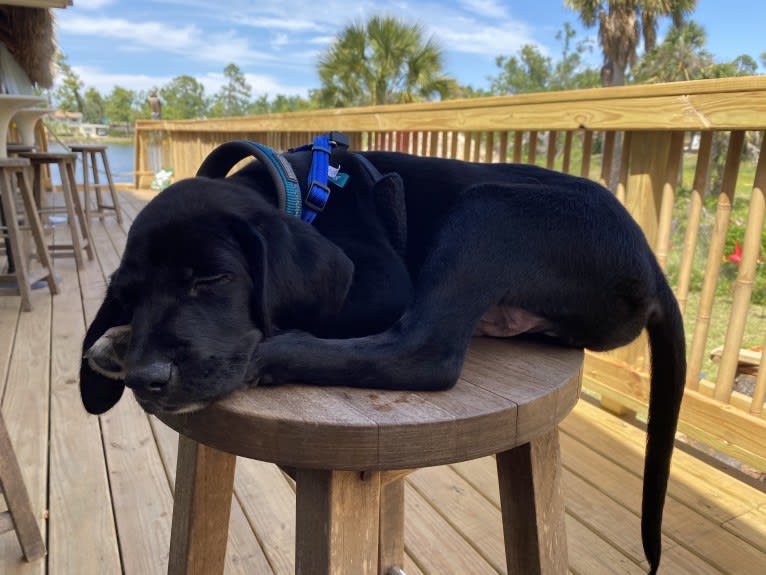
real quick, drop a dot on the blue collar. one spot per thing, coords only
(226, 156)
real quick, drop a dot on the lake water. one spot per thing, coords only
(121, 162)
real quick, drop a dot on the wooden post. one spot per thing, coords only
(696, 354)
(668, 197)
(567, 152)
(587, 145)
(518, 144)
(337, 522)
(532, 148)
(693, 218)
(551, 157)
(647, 171)
(533, 507)
(743, 287)
(201, 509)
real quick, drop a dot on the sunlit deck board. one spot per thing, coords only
(107, 481)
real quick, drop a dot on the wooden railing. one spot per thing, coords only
(639, 139)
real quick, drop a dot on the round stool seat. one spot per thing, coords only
(49, 157)
(509, 392)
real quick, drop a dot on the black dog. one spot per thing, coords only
(219, 289)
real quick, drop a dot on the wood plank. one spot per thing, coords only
(25, 409)
(683, 524)
(465, 509)
(691, 478)
(10, 307)
(79, 498)
(590, 554)
(142, 501)
(724, 427)
(268, 501)
(434, 544)
(750, 527)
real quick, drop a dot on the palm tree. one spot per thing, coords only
(384, 61)
(621, 25)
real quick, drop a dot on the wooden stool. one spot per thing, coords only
(350, 449)
(19, 515)
(65, 161)
(18, 169)
(90, 154)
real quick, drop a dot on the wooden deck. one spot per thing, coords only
(104, 484)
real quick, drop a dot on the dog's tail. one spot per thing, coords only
(668, 358)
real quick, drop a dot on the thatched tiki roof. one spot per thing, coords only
(27, 32)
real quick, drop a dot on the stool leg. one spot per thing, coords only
(96, 186)
(201, 509)
(33, 218)
(533, 507)
(77, 245)
(391, 545)
(85, 185)
(336, 530)
(84, 223)
(14, 239)
(17, 499)
(112, 190)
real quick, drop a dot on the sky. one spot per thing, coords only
(140, 44)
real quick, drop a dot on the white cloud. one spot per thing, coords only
(104, 82)
(92, 4)
(485, 8)
(150, 35)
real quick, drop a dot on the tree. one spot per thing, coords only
(621, 25)
(682, 56)
(384, 61)
(119, 106)
(68, 95)
(93, 107)
(183, 98)
(233, 99)
(531, 71)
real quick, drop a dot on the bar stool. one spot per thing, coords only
(18, 272)
(90, 154)
(80, 236)
(349, 450)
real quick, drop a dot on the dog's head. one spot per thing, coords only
(209, 269)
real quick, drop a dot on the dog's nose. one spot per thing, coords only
(153, 377)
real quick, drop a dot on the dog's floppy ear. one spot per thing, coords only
(297, 274)
(100, 390)
(389, 198)
(253, 247)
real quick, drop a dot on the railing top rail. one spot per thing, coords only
(720, 104)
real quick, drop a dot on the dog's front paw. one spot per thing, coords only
(106, 356)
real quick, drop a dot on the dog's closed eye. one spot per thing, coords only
(202, 284)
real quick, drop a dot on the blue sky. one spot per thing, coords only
(139, 44)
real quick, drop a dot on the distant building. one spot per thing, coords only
(94, 130)
(67, 118)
